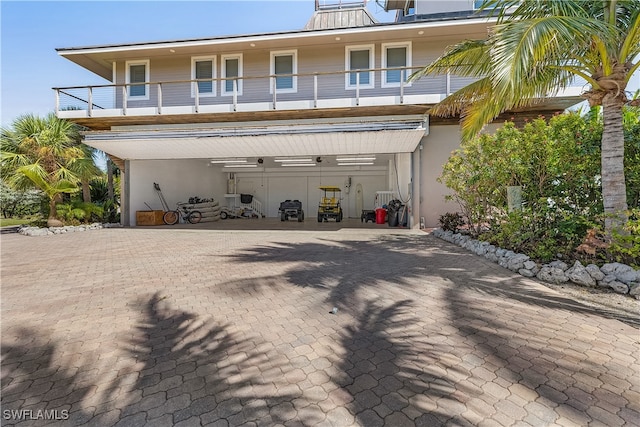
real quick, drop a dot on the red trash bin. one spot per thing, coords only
(381, 215)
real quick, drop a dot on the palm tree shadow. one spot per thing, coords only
(175, 367)
(391, 372)
(34, 378)
(203, 370)
(544, 355)
(343, 268)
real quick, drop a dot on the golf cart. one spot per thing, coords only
(291, 209)
(329, 206)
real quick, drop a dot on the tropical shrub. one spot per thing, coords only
(46, 154)
(451, 221)
(76, 212)
(625, 246)
(557, 166)
(19, 203)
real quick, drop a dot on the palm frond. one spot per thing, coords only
(458, 101)
(630, 48)
(467, 58)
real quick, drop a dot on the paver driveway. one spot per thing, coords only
(183, 327)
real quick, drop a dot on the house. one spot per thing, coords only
(277, 115)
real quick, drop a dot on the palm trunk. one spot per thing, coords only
(86, 191)
(53, 220)
(614, 190)
(110, 179)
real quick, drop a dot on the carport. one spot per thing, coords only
(282, 161)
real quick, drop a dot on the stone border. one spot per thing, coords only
(622, 278)
(37, 231)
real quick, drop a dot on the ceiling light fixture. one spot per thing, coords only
(248, 165)
(292, 159)
(355, 159)
(215, 161)
(356, 164)
(298, 164)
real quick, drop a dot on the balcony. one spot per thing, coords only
(366, 93)
(373, 92)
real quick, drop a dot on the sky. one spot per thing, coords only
(30, 32)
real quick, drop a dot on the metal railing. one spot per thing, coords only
(257, 93)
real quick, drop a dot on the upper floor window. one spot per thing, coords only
(359, 58)
(285, 63)
(395, 55)
(232, 67)
(138, 72)
(203, 68)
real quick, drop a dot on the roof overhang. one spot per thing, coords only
(99, 59)
(308, 140)
(397, 4)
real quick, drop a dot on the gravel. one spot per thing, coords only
(607, 302)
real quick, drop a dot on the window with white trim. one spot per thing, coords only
(285, 63)
(359, 58)
(231, 67)
(396, 55)
(137, 72)
(203, 68)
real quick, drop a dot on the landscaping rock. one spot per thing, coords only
(516, 262)
(619, 287)
(559, 264)
(36, 231)
(621, 278)
(594, 271)
(526, 272)
(628, 276)
(578, 274)
(552, 274)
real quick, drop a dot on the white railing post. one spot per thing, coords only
(159, 98)
(124, 100)
(275, 89)
(315, 91)
(197, 97)
(402, 72)
(89, 100)
(57, 101)
(358, 88)
(448, 88)
(235, 94)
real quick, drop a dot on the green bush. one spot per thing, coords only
(543, 234)
(625, 246)
(451, 221)
(75, 212)
(557, 165)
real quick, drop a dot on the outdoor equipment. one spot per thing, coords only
(165, 206)
(329, 206)
(291, 209)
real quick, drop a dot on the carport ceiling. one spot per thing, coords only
(218, 144)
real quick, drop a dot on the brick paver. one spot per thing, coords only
(191, 327)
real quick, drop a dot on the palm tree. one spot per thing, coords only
(536, 49)
(40, 152)
(85, 169)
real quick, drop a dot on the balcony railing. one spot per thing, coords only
(371, 87)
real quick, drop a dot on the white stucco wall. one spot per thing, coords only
(436, 148)
(277, 185)
(178, 179)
